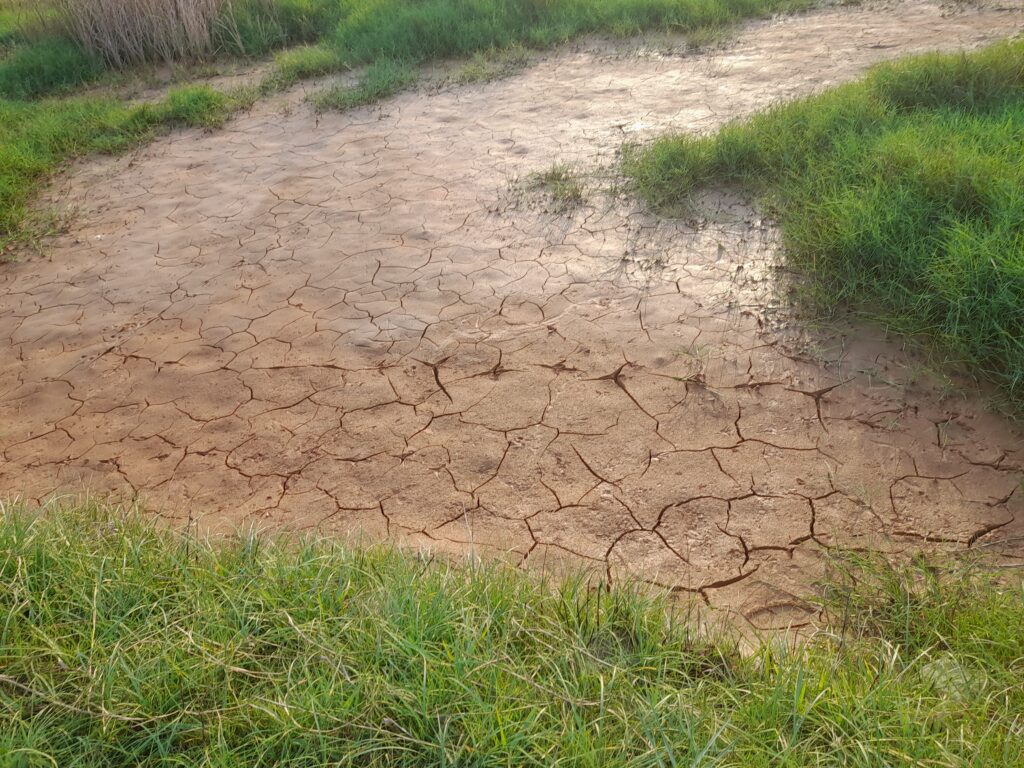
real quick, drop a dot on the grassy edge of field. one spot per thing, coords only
(898, 197)
(39, 138)
(122, 643)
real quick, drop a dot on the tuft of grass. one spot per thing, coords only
(898, 196)
(492, 64)
(190, 106)
(381, 79)
(10, 19)
(125, 645)
(711, 36)
(564, 186)
(10, 28)
(920, 604)
(305, 61)
(21, 20)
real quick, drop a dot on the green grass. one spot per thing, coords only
(305, 61)
(563, 185)
(121, 645)
(492, 64)
(45, 68)
(18, 17)
(381, 79)
(10, 21)
(900, 196)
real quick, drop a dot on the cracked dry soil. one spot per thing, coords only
(365, 323)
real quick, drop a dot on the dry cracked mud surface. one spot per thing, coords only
(373, 323)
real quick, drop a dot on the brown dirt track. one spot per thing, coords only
(368, 323)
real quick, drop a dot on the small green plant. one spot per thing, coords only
(710, 36)
(380, 80)
(564, 186)
(46, 67)
(492, 64)
(305, 61)
(195, 106)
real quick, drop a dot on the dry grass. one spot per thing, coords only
(564, 186)
(127, 32)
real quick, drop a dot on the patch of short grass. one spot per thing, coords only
(20, 20)
(381, 79)
(709, 36)
(901, 196)
(46, 67)
(492, 64)
(563, 184)
(125, 645)
(305, 61)
(10, 21)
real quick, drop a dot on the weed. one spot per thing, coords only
(492, 64)
(381, 79)
(706, 37)
(306, 61)
(197, 106)
(564, 186)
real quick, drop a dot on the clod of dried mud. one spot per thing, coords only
(353, 322)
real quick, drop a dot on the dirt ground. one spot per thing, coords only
(375, 323)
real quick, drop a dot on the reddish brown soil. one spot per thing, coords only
(369, 323)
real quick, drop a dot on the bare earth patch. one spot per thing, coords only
(365, 323)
